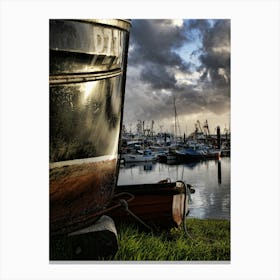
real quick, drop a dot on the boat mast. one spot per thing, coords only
(176, 121)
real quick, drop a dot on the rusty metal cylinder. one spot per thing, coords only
(86, 85)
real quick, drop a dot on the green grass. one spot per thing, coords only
(209, 241)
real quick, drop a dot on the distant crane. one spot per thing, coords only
(226, 130)
(198, 123)
(152, 127)
(206, 128)
(140, 127)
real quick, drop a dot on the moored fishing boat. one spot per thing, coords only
(166, 157)
(140, 156)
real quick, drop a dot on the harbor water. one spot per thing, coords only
(211, 181)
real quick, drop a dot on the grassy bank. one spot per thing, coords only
(210, 241)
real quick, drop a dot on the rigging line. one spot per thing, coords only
(187, 195)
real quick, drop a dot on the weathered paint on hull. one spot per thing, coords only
(78, 193)
(159, 206)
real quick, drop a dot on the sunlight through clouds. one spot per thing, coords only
(188, 59)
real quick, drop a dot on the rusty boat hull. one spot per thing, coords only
(80, 193)
(88, 61)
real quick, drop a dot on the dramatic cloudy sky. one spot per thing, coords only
(188, 59)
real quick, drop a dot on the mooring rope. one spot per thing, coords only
(187, 195)
(124, 204)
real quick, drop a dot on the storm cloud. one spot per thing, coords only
(188, 60)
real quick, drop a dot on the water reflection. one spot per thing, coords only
(211, 180)
(146, 166)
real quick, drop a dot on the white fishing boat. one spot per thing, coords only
(140, 156)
